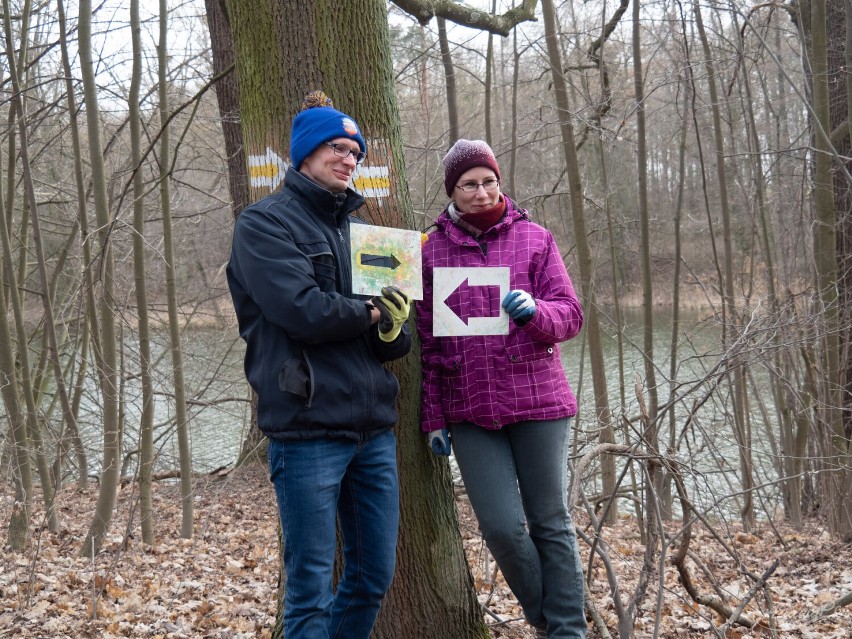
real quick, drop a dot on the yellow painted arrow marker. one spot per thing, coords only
(267, 169)
(372, 181)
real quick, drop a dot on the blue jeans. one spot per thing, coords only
(516, 479)
(316, 481)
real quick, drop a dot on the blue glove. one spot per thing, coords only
(439, 442)
(520, 305)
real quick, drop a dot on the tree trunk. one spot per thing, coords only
(740, 425)
(829, 194)
(584, 259)
(146, 418)
(489, 82)
(253, 447)
(104, 318)
(18, 441)
(450, 79)
(77, 442)
(181, 414)
(644, 226)
(228, 99)
(432, 594)
(34, 440)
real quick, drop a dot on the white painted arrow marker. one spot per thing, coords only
(266, 170)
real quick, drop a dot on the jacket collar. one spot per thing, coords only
(333, 207)
(460, 236)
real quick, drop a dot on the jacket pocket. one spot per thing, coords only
(295, 377)
(444, 362)
(325, 268)
(529, 352)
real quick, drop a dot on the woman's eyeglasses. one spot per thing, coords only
(472, 187)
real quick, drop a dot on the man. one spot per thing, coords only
(314, 355)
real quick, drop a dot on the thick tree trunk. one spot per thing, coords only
(824, 27)
(253, 447)
(831, 215)
(228, 98)
(432, 594)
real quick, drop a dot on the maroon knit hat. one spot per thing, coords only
(465, 155)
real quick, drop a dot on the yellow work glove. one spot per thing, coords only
(394, 306)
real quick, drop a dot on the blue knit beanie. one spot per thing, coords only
(319, 122)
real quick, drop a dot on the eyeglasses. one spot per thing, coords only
(472, 187)
(343, 151)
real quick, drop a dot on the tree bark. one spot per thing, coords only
(432, 594)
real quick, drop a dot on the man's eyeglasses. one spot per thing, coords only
(472, 187)
(343, 151)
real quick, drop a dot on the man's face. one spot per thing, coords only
(328, 169)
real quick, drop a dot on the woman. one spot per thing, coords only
(503, 401)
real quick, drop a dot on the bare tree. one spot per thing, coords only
(729, 311)
(181, 414)
(106, 356)
(584, 259)
(146, 417)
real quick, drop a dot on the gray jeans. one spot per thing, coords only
(516, 478)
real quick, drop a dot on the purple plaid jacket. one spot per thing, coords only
(494, 380)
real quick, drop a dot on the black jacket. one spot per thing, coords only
(311, 353)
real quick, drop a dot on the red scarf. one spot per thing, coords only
(484, 220)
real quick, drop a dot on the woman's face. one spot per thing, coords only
(478, 199)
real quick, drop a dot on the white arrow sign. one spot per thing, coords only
(446, 281)
(266, 170)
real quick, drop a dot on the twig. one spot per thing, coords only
(832, 606)
(600, 624)
(760, 583)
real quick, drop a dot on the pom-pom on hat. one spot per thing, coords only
(319, 122)
(465, 155)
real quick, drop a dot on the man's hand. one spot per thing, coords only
(439, 442)
(394, 306)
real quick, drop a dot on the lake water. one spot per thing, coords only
(220, 409)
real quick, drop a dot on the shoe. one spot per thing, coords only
(540, 631)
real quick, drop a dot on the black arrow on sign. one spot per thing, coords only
(380, 261)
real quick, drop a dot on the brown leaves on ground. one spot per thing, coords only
(222, 583)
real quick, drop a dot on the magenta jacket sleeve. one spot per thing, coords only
(559, 316)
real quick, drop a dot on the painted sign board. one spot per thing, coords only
(458, 283)
(383, 256)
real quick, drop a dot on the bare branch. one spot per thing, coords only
(832, 606)
(424, 10)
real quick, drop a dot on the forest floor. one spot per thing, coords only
(222, 583)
